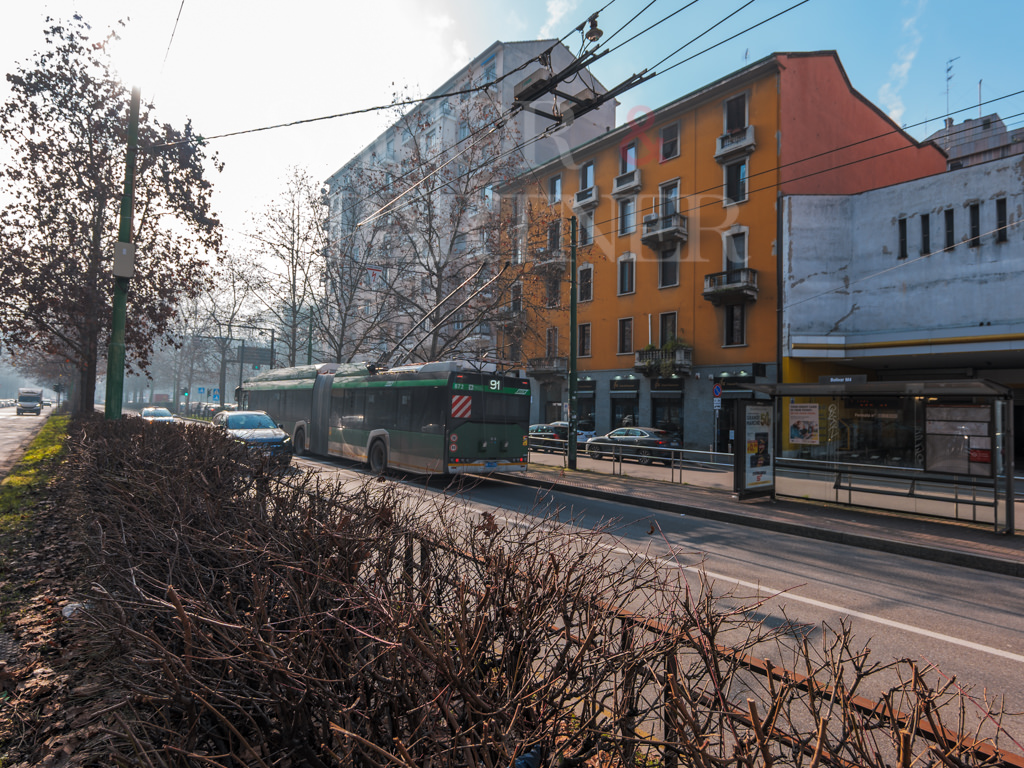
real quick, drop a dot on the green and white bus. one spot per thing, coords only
(447, 417)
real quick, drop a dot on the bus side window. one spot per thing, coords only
(353, 409)
(433, 404)
(381, 407)
(408, 412)
(337, 408)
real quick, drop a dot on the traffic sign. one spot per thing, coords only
(201, 390)
(718, 403)
(716, 391)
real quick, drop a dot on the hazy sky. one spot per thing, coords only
(233, 65)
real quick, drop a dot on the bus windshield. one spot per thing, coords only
(500, 408)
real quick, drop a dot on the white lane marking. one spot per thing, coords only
(761, 588)
(837, 609)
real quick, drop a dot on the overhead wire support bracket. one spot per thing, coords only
(543, 87)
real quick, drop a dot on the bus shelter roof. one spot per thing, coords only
(936, 388)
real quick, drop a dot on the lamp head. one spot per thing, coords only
(594, 33)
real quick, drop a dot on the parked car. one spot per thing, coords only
(157, 414)
(584, 429)
(259, 432)
(550, 438)
(644, 444)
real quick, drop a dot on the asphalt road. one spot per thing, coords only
(16, 432)
(966, 624)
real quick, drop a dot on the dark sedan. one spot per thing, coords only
(257, 430)
(643, 444)
(552, 438)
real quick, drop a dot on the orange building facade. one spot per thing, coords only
(677, 224)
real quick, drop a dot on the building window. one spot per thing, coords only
(515, 298)
(583, 340)
(950, 243)
(735, 324)
(490, 73)
(625, 336)
(666, 327)
(627, 215)
(669, 199)
(553, 291)
(926, 234)
(554, 236)
(736, 182)
(587, 175)
(1001, 234)
(669, 141)
(975, 210)
(463, 130)
(391, 148)
(735, 250)
(627, 273)
(585, 283)
(551, 348)
(668, 267)
(555, 189)
(627, 158)
(584, 229)
(903, 238)
(736, 114)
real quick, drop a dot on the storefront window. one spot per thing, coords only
(624, 412)
(668, 414)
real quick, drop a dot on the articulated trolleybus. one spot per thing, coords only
(448, 417)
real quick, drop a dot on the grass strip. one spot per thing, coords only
(31, 474)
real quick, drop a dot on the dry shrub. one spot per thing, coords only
(281, 620)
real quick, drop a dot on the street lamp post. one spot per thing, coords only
(124, 269)
(573, 417)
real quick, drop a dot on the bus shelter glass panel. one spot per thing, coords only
(951, 435)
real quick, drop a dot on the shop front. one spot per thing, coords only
(667, 405)
(586, 405)
(625, 402)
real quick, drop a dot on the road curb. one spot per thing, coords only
(903, 547)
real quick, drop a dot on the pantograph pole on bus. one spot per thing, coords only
(573, 418)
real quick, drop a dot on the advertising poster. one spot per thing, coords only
(803, 423)
(758, 447)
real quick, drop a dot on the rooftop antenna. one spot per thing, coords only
(949, 77)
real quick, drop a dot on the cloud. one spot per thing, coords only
(899, 73)
(557, 10)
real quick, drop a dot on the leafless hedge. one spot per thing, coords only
(279, 620)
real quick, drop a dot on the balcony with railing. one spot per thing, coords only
(587, 198)
(731, 286)
(626, 184)
(663, 362)
(547, 366)
(549, 258)
(735, 143)
(664, 229)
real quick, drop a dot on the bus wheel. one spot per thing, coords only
(300, 443)
(378, 458)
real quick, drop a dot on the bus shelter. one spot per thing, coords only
(885, 438)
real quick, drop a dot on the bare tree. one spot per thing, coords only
(292, 236)
(426, 221)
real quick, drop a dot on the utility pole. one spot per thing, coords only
(124, 269)
(573, 416)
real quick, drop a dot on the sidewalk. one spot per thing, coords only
(707, 493)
